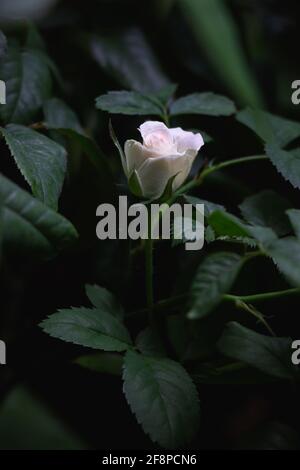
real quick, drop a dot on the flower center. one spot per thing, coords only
(158, 141)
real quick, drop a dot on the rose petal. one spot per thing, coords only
(186, 140)
(155, 173)
(135, 154)
(150, 127)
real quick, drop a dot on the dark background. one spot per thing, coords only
(92, 404)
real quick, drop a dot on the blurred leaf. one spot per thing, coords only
(285, 253)
(27, 424)
(209, 206)
(217, 34)
(267, 209)
(41, 161)
(272, 436)
(91, 149)
(294, 218)
(286, 163)
(28, 84)
(149, 343)
(207, 103)
(61, 118)
(3, 45)
(214, 278)
(177, 333)
(270, 355)
(16, 10)
(31, 226)
(269, 127)
(127, 102)
(58, 115)
(109, 363)
(163, 397)
(88, 327)
(104, 300)
(128, 57)
(34, 40)
(235, 373)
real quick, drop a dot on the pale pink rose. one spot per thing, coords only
(164, 153)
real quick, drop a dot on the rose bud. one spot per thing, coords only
(164, 154)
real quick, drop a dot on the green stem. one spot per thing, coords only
(235, 161)
(256, 313)
(177, 301)
(263, 296)
(196, 182)
(166, 118)
(149, 274)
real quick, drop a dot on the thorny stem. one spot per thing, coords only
(177, 301)
(196, 182)
(263, 296)
(256, 313)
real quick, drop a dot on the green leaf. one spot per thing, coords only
(109, 363)
(209, 207)
(217, 35)
(119, 147)
(88, 327)
(127, 102)
(165, 94)
(128, 57)
(225, 224)
(41, 161)
(28, 84)
(31, 226)
(163, 397)
(149, 343)
(58, 115)
(104, 300)
(267, 209)
(207, 103)
(270, 355)
(269, 127)
(228, 227)
(285, 253)
(214, 277)
(263, 235)
(294, 218)
(286, 163)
